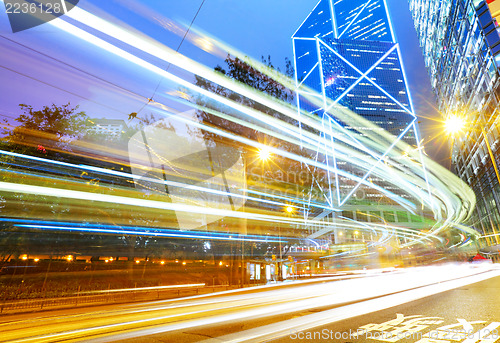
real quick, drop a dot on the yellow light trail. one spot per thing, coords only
(449, 199)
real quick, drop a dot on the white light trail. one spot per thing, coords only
(131, 321)
(443, 193)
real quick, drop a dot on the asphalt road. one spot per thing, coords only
(451, 316)
(285, 312)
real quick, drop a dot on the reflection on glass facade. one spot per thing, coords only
(346, 54)
(381, 97)
(461, 47)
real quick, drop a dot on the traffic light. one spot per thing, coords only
(290, 258)
(274, 257)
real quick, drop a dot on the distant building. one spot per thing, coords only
(461, 48)
(104, 126)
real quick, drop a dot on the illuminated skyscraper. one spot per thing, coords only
(461, 47)
(346, 54)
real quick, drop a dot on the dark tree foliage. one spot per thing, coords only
(59, 121)
(50, 128)
(240, 71)
(44, 132)
(244, 73)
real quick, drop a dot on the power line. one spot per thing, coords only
(189, 28)
(95, 76)
(58, 88)
(176, 50)
(72, 66)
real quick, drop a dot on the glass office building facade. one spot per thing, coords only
(461, 48)
(346, 54)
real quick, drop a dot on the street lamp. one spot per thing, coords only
(264, 154)
(288, 210)
(454, 124)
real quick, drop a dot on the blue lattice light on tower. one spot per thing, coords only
(346, 55)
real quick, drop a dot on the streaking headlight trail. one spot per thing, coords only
(194, 182)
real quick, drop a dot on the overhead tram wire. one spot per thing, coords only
(72, 66)
(59, 88)
(75, 68)
(95, 76)
(176, 50)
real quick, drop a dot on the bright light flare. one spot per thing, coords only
(454, 124)
(264, 154)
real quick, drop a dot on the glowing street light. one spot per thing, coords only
(454, 124)
(264, 154)
(289, 209)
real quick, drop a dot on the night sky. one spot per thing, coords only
(43, 65)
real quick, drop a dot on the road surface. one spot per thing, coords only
(284, 312)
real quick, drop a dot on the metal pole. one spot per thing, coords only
(242, 266)
(280, 276)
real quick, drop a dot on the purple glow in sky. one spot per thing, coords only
(45, 65)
